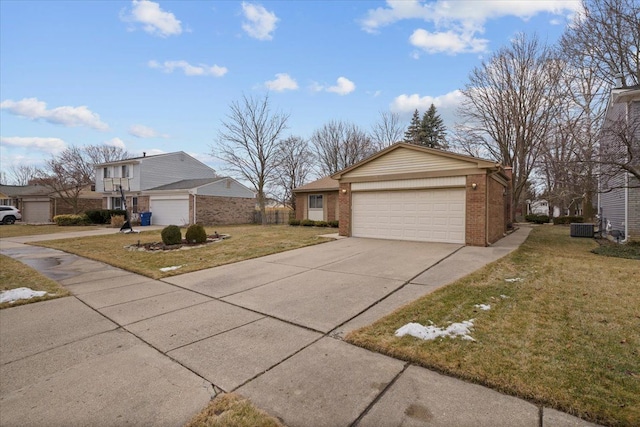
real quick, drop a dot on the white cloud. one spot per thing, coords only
(281, 83)
(47, 145)
(457, 23)
(34, 109)
(407, 104)
(154, 20)
(343, 86)
(116, 142)
(188, 69)
(142, 131)
(260, 23)
(448, 42)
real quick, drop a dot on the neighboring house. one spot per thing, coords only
(619, 196)
(176, 188)
(318, 200)
(39, 204)
(537, 207)
(409, 192)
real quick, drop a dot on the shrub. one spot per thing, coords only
(567, 219)
(117, 221)
(321, 224)
(171, 235)
(307, 223)
(334, 224)
(63, 220)
(196, 234)
(538, 219)
(294, 221)
(103, 216)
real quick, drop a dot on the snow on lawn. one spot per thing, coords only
(483, 306)
(173, 267)
(454, 330)
(13, 295)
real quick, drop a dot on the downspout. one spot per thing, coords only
(626, 208)
(486, 210)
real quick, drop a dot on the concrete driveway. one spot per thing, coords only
(128, 350)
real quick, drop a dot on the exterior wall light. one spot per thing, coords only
(344, 191)
(474, 186)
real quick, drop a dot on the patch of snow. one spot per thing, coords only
(454, 330)
(504, 296)
(515, 279)
(13, 295)
(173, 267)
(483, 306)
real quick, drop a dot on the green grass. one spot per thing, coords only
(18, 229)
(629, 250)
(14, 274)
(247, 241)
(566, 336)
(231, 410)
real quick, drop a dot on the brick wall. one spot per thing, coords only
(330, 200)
(497, 223)
(60, 207)
(476, 210)
(301, 206)
(214, 210)
(344, 209)
(332, 206)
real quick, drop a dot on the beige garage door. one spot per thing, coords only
(34, 212)
(421, 215)
(169, 211)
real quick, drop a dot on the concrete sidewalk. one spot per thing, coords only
(126, 349)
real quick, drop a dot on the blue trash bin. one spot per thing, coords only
(145, 218)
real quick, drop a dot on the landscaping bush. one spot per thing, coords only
(567, 219)
(63, 220)
(117, 221)
(321, 224)
(307, 223)
(294, 222)
(334, 224)
(196, 234)
(171, 235)
(537, 219)
(103, 216)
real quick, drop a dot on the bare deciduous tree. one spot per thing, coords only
(620, 149)
(248, 143)
(23, 174)
(509, 106)
(339, 145)
(387, 130)
(295, 164)
(607, 35)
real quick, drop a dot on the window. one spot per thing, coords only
(315, 201)
(125, 171)
(116, 203)
(106, 173)
(134, 204)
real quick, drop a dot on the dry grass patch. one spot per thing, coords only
(231, 410)
(566, 335)
(246, 242)
(14, 274)
(17, 230)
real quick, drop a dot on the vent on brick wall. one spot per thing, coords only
(582, 230)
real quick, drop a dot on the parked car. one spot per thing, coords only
(9, 214)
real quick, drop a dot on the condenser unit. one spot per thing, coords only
(582, 230)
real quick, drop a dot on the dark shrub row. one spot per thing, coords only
(567, 219)
(537, 219)
(312, 223)
(103, 216)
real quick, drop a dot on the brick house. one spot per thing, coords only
(318, 200)
(409, 192)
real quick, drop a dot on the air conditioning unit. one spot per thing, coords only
(582, 230)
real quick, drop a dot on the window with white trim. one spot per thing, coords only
(315, 201)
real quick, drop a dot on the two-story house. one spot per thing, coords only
(619, 196)
(176, 188)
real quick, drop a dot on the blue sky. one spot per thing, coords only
(159, 76)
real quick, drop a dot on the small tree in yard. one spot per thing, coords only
(412, 134)
(432, 130)
(248, 143)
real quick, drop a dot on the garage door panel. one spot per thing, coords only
(435, 215)
(169, 211)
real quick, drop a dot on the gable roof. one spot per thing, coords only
(323, 184)
(188, 184)
(473, 161)
(25, 190)
(137, 160)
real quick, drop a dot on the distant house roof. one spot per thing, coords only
(323, 184)
(25, 190)
(187, 184)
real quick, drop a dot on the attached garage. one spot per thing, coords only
(36, 211)
(409, 192)
(169, 210)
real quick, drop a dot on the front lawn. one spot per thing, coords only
(14, 274)
(562, 330)
(247, 241)
(18, 229)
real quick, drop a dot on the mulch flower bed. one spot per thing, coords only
(159, 246)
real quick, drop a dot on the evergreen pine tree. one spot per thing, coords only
(411, 135)
(432, 130)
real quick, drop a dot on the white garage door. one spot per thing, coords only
(34, 212)
(421, 215)
(169, 211)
